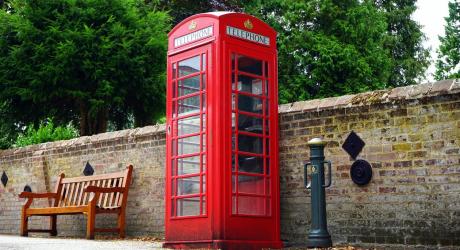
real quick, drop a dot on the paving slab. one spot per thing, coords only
(12, 242)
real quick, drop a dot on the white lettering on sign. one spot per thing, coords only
(202, 33)
(253, 37)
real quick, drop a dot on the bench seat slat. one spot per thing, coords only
(57, 210)
(108, 210)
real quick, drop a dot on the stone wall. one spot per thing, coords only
(412, 137)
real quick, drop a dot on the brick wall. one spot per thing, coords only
(412, 137)
(39, 165)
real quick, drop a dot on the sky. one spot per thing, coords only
(430, 14)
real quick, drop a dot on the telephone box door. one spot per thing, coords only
(253, 156)
(187, 171)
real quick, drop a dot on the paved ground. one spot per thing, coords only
(25, 243)
(13, 242)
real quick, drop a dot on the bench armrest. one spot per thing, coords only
(95, 189)
(37, 195)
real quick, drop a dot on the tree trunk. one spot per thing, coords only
(92, 124)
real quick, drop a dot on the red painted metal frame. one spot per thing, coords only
(235, 111)
(175, 138)
(218, 226)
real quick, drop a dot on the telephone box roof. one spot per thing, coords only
(221, 15)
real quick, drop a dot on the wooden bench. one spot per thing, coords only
(89, 195)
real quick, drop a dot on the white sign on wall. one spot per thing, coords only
(191, 37)
(246, 35)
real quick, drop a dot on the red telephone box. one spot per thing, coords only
(222, 180)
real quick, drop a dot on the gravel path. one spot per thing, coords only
(25, 243)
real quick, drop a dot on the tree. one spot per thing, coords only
(83, 61)
(448, 62)
(181, 9)
(327, 47)
(405, 37)
(8, 129)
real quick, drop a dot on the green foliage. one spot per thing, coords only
(448, 63)
(181, 9)
(7, 135)
(409, 59)
(327, 48)
(87, 61)
(8, 128)
(46, 132)
(331, 47)
(4, 4)
(101, 64)
(162, 120)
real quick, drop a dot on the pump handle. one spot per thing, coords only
(329, 174)
(305, 176)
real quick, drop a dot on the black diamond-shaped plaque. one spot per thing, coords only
(27, 188)
(88, 169)
(353, 145)
(4, 179)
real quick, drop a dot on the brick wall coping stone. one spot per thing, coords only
(411, 92)
(418, 91)
(83, 140)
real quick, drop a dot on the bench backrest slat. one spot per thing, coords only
(126, 182)
(117, 195)
(93, 177)
(109, 203)
(100, 184)
(62, 195)
(58, 189)
(72, 193)
(80, 195)
(75, 193)
(106, 196)
(85, 195)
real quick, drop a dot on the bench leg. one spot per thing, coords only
(90, 225)
(24, 224)
(53, 219)
(121, 224)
